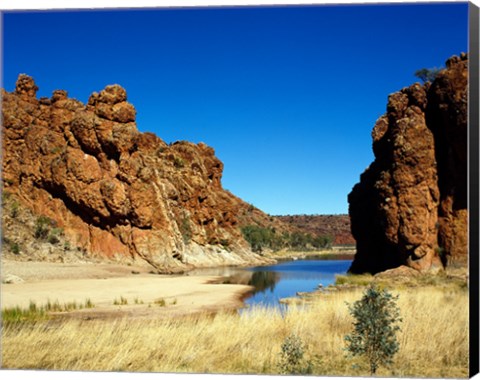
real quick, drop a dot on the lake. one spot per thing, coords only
(283, 279)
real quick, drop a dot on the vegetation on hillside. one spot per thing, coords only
(28, 235)
(261, 238)
(336, 226)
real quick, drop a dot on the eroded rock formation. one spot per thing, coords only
(116, 191)
(410, 206)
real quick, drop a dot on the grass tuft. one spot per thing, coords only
(160, 302)
(121, 301)
(36, 312)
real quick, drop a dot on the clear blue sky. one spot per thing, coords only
(287, 97)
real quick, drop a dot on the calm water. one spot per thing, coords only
(286, 279)
(281, 280)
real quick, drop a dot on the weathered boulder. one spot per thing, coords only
(410, 206)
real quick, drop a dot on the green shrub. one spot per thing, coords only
(15, 248)
(15, 209)
(427, 75)
(291, 357)
(374, 335)
(42, 227)
(178, 162)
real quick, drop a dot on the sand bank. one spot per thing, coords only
(104, 283)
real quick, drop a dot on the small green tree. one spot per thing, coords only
(291, 357)
(258, 237)
(427, 75)
(374, 336)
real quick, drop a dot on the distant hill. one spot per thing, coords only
(336, 226)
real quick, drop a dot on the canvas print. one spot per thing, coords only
(273, 190)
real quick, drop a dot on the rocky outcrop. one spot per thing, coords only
(410, 206)
(116, 191)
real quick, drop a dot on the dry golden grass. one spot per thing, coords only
(433, 340)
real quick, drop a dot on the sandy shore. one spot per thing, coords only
(104, 283)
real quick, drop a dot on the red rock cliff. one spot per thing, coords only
(116, 191)
(410, 206)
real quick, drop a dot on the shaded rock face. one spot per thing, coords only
(116, 191)
(410, 206)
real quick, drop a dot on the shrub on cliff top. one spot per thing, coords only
(427, 75)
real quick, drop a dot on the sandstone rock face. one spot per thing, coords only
(410, 206)
(116, 191)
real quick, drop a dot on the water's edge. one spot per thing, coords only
(285, 279)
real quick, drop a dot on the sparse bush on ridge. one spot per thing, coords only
(427, 75)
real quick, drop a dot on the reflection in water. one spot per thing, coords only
(282, 280)
(286, 279)
(263, 281)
